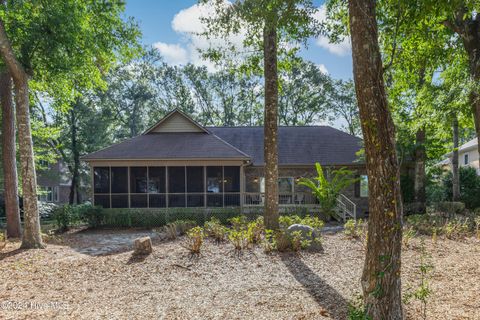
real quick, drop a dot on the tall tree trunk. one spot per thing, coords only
(455, 172)
(76, 158)
(271, 123)
(381, 280)
(31, 234)
(12, 209)
(419, 184)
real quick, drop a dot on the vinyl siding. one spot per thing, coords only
(176, 123)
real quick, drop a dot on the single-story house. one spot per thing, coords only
(179, 163)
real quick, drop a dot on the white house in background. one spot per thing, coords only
(467, 156)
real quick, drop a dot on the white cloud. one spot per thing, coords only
(188, 24)
(173, 53)
(342, 48)
(322, 68)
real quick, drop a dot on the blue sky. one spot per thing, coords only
(166, 24)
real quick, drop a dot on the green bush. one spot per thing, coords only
(92, 215)
(469, 187)
(65, 216)
(450, 208)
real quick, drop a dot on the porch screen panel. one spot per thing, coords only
(119, 201)
(176, 186)
(156, 180)
(231, 182)
(119, 179)
(101, 180)
(195, 187)
(102, 200)
(214, 187)
(138, 179)
(157, 187)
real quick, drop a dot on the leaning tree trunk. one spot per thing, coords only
(455, 171)
(31, 234)
(271, 124)
(381, 280)
(12, 209)
(419, 184)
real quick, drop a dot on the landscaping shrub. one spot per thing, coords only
(434, 225)
(255, 230)
(65, 216)
(194, 240)
(353, 229)
(92, 215)
(46, 209)
(178, 228)
(215, 229)
(238, 238)
(450, 208)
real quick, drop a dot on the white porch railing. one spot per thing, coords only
(346, 208)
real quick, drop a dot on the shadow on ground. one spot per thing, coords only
(325, 295)
(105, 242)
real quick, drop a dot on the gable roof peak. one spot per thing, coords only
(176, 121)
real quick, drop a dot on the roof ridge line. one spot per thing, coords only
(230, 145)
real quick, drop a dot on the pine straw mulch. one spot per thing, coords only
(64, 282)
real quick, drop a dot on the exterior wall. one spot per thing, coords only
(252, 184)
(176, 123)
(473, 159)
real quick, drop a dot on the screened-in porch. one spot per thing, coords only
(166, 186)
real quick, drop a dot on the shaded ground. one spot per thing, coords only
(68, 281)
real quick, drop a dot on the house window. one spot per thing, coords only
(48, 194)
(363, 186)
(465, 159)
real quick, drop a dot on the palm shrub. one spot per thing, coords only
(327, 190)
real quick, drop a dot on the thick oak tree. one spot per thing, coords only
(381, 280)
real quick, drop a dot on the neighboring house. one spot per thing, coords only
(53, 183)
(179, 163)
(467, 156)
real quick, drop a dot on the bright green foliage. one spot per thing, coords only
(327, 190)
(216, 230)
(306, 94)
(68, 44)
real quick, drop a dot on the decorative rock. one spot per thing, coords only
(142, 246)
(308, 233)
